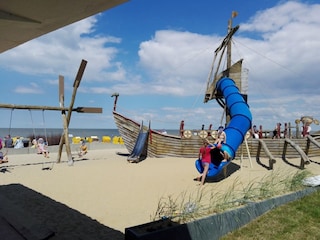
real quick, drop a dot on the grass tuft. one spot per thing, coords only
(187, 207)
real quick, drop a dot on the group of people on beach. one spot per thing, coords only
(212, 153)
(40, 145)
(10, 143)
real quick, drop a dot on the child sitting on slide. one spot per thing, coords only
(222, 137)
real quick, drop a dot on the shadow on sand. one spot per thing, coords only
(231, 168)
(26, 214)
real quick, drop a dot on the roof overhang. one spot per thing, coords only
(21, 21)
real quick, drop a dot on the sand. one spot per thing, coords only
(105, 187)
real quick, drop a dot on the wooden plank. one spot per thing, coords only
(80, 73)
(88, 110)
(61, 89)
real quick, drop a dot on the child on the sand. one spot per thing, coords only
(3, 157)
(83, 149)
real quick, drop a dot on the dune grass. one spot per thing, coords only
(187, 207)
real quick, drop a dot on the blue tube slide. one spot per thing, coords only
(240, 115)
(240, 122)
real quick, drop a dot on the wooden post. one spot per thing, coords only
(64, 137)
(65, 126)
(116, 95)
(61, 101)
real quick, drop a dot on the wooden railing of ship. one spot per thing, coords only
(283, 148)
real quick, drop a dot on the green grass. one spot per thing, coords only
(296, 220)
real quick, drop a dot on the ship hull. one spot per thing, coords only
(159, 144)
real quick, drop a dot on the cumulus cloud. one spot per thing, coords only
(279, 49)
(31, 88)
(177, 62)
(279, 46)
(62, 50)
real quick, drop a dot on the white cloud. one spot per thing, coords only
(32, 88)
(61, 51)
(177, 62)
(279, 46)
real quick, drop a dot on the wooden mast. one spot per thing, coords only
(233, 15)
(224, 49)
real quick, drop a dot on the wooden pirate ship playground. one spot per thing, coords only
(142, 141)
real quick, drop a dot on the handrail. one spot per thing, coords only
(304, 157)
(263, 145)
(311, 140)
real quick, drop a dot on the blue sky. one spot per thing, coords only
(157, 56)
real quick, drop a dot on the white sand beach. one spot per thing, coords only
(118, 194)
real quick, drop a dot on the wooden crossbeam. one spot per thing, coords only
(33, 107)
(52, 108)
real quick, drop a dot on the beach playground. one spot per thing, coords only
(102, 194)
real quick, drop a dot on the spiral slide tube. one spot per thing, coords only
(240, 115)
(238, 126)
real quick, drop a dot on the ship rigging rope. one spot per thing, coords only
(269, 59)
(259, 86)
(203, 87)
